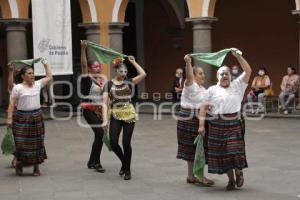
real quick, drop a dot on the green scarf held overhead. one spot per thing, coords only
(29, 62)
(103, 54)
(215, 59)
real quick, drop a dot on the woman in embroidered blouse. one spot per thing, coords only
(12, 73)
(92, 83)
(118, 93)
(260, 83)
(27, 124)
(289, 86)
(226, 146)
(188, 123)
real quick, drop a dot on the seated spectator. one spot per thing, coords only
(261, 87)
(289, 87)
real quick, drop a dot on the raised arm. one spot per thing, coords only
(188, 70)
(83, 60)
(141, 73)
(244, 64)
(10, 80)
(48, 77)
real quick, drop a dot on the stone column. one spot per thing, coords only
(297, 13)
(116, 38)
(16, 38)
(92, 31)
(202, 42)
(16, 45)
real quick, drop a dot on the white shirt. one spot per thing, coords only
(28, 98)
(95, 93)
(192, 96)
(226, 100)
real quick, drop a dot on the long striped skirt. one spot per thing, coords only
(226, 146)
(29, 132)
(187, 131)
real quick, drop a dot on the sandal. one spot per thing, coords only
(191, 181)
(230, 185)
(19, 168)
(239, 179)
(206, 182)
(14, 162)
(36, 171)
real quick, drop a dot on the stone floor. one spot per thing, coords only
(273, 150)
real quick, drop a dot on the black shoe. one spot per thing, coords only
(122, 171)
(99, 168)
(91, 165)
(127, 175)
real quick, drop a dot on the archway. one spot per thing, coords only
(208, 6)
(78, 33)
(267, 33)
(160, 42)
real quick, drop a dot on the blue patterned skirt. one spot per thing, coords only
(29, 132)
(187, 131)
(226, 146)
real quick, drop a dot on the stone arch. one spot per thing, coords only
(206, 8)
(297, 4)
(175, 15)
(118, 13)
(13, 4)
(88, 10)
(20, 9)
(179, 15)
(23, 8)
(5, 9)
(195, 8)
(119, 10)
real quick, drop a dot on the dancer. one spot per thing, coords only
(28, 124)
(10, 84)
(188, 123)
(91, 87)
(178, 85)
(226, 146)
(119, 92)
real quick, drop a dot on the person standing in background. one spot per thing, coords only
(178, 85)
(235, 72)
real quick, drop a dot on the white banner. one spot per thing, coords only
(52, 37)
